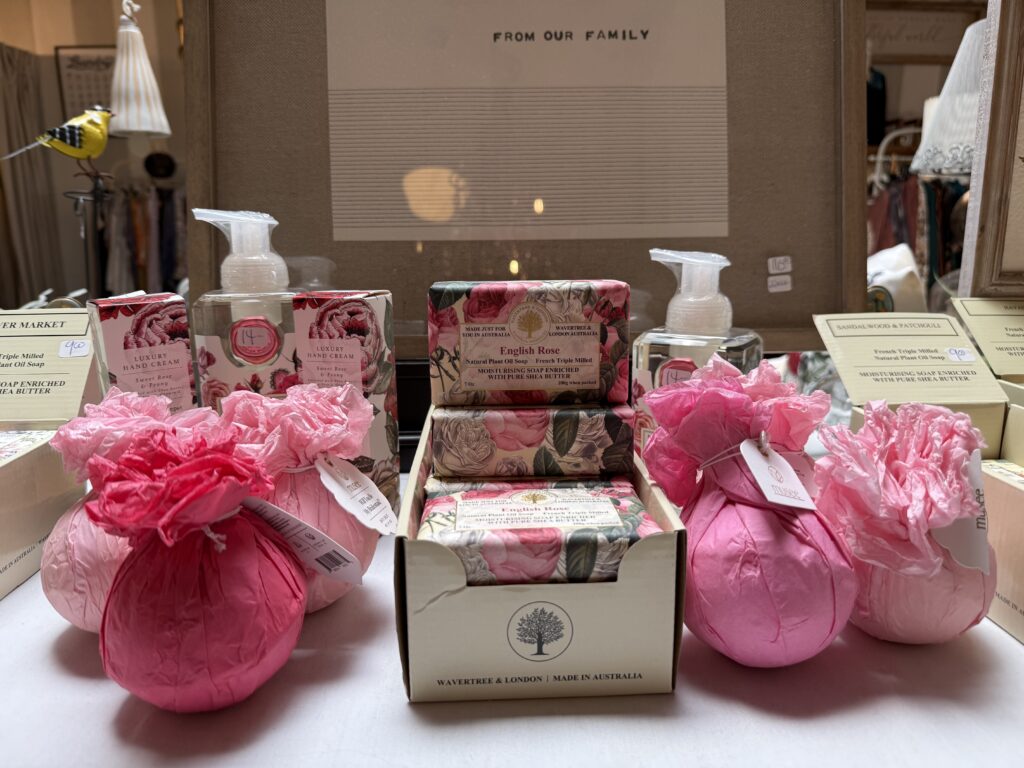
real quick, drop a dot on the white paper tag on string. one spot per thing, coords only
(357, 495)
(966, 539)
(777, 480)
(312, 546)
(803, 465)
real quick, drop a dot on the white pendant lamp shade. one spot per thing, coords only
(947, 143)
(135, 96)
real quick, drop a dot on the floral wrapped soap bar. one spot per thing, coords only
(529, 342)
(532, 532)
(532, 442)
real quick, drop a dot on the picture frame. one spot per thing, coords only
(993, 265)
(918, 31)
(84, 76)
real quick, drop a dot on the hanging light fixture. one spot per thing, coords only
(135, 95)
(947, 143)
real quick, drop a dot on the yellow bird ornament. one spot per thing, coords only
(82, 138)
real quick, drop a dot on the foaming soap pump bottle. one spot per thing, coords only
(698, 323)
(245, 332)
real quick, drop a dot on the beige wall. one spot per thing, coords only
(40, 26)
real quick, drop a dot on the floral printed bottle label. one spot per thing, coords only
(535, 508)
(675, 370)
(255, 340)
(219, 375)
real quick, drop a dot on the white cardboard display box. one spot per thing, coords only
(458, 642)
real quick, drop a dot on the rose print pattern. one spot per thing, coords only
(352, 318)
(462, 446)
(158, 324)
(545, 554)
(532, 442)
(453, 304)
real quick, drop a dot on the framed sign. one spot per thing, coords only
(540, 140)
(993, 260)
(84, 75)
(918, 31)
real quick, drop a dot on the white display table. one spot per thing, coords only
(340, 701)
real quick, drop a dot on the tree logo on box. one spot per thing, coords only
(539, 631)
(530, 322)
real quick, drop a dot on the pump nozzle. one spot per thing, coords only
(252, 265)
(697, 308)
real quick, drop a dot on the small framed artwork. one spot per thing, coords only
(993, 262)
(84, 74)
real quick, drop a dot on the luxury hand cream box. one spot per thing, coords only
(537, 640)
(527, 342)
(348, 337)
(144, 346)
(904, 357)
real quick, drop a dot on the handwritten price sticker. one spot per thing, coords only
(74, 348)
(961, 355)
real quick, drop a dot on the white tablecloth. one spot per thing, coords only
(340, 701)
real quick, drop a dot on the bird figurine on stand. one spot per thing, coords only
(82, 138)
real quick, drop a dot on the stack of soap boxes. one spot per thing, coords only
(530, 539)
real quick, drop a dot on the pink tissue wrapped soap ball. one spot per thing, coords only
(79, 563)
(79, 558)
(886, 488)
(766, 585)
(287, 435)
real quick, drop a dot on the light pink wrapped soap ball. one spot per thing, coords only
(886, 489)
(287, 436)
(766, 585)
(79, 558)
(79, 562)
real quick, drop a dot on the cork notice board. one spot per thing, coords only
(260, 138)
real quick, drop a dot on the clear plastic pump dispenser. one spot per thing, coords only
(698, 323)
(245, 331)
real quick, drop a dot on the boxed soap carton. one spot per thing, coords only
(347, 337)
(47, 374)
(36, 491)
(903, 357)
(997, 326)
(463, 634)
(143, 346)
(551, 441)
(1004, 503)
(529, 342)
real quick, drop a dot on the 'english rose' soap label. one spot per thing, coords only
(536, 508)
(531, 352)
(528, 342)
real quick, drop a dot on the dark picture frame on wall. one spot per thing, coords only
(993, 265)
(84, 76)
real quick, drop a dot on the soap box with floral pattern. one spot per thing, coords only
(529, 342)
(347, 337)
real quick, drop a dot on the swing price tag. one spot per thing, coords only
(312, 546)
(357, 495)
(777, 480)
